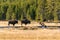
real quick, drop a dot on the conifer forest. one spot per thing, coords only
(32, 9)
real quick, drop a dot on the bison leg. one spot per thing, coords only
(8, 25)
(13, 24)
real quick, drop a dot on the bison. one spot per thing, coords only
(25, 21)
(13, 22)
(43, 25)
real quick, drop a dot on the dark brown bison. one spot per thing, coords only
(25, 21)
(13, 22)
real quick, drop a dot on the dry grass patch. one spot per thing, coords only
(41, 34)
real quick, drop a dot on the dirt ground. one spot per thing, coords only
(33, 23)
(40, 34)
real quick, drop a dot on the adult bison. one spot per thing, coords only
(25, 21)
(13, 22)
